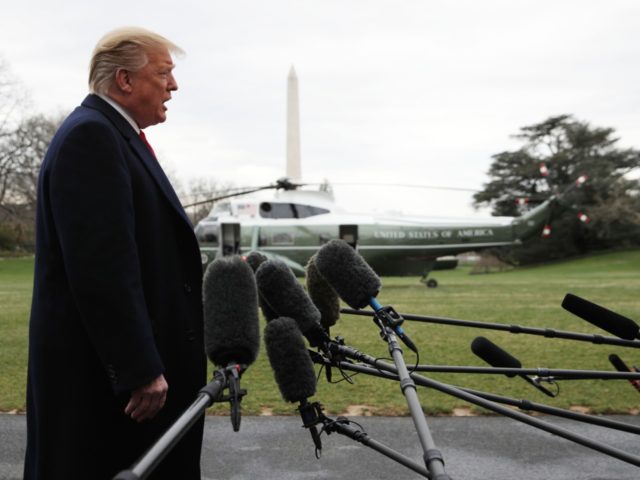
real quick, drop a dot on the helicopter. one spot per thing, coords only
(295, 222)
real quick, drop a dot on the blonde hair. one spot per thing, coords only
(123, 48)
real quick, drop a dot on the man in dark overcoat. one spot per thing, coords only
(116, 336)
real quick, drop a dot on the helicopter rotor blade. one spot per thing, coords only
(404, 185)
(239, 193)
(283, 183)
(286, 184)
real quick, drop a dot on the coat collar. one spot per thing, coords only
(140, 149)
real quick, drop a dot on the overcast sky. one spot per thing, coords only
(403, 92)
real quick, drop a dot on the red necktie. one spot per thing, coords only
(144, 139)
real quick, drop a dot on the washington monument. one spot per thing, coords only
(293, 128)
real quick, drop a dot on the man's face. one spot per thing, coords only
(151, 87)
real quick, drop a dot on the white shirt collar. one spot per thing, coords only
(121, 111)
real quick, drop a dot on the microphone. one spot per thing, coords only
(620, 366)
(497, 357)
(230, 311)
(601, 317)
(356, 283)
(494, 355)
(323, 296)
(231, 328)
(286, 297)
(352, 278)
(255, 259)
(293, 370)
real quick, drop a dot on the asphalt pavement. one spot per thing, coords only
(474, 448)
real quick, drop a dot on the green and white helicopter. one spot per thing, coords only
(295, 222)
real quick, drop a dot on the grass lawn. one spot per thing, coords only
(16, 282)
(527, 296)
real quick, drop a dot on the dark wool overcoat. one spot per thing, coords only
(117, 301)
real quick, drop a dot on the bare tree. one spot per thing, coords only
(29, 143)
(10, 95)
(24, 139)
(13, 99)
(200, 194)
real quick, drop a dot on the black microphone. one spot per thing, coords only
(323, 296)
(255, 259)
(286, 297)
(497, 357)
(230, 310)
(352, 278)
(355, 282)
(494, 355)
(601, 317)
(293, 370)
(619, 365)
(231, 328)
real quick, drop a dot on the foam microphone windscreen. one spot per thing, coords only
(255, 259)
(323, 296)
(601, 317)
(230, 296)
(494, 355)
(284, 294)
(289, 359)
(346, 271)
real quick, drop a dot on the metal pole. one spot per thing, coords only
(559, 374)
(544, 332)
(341, 426)
(150, 460)
(432, 456)
(477, 400)
(522, 404)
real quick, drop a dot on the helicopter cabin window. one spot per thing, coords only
(289, 210)
(222, 209)
(282, 238)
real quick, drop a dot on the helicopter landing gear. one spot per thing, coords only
(428, 268)
(429, 282)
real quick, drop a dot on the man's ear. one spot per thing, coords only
(123, 80)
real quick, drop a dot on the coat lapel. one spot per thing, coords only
(141, 150)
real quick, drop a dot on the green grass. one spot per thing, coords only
(527, 296)
(16, 282)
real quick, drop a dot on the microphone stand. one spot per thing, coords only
(539, 374)
(388, 321)
(542, 373)
(558, 412)
(544, 332)
(210, 393)
(523, 404)
(314, 416)
(386, 370)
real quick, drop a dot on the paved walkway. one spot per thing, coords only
(474, 448)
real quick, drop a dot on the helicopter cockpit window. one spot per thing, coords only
(222, 209)
(282, 238)
(289, 210)
(207, 233)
